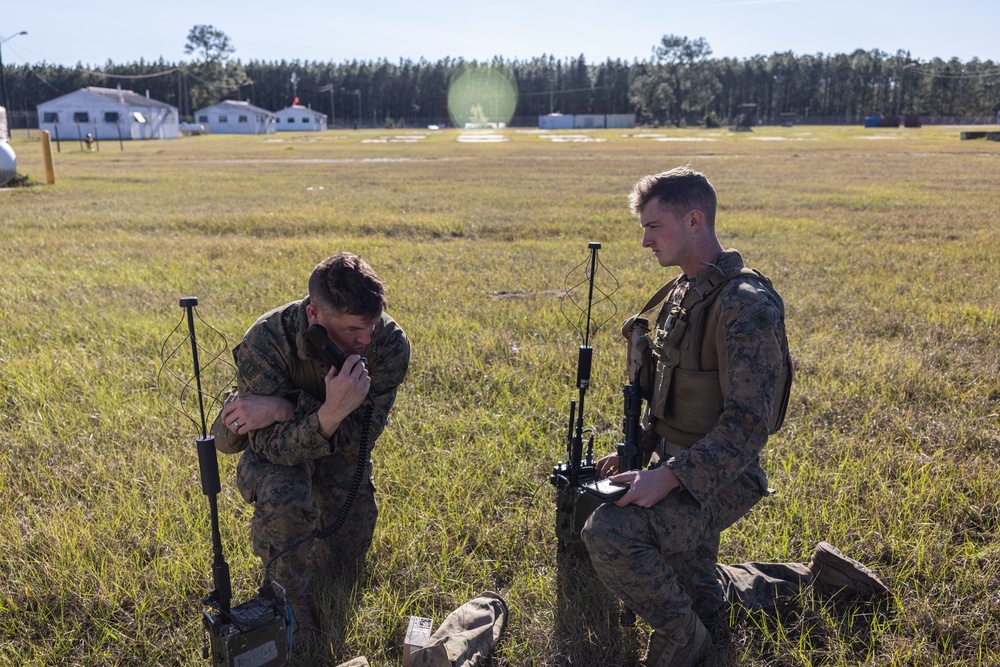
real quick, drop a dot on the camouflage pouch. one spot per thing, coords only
(667, 358)
(226, 441)
(467, 636)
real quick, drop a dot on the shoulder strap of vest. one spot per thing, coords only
(661, 294)
(703, 290)
(715, 281)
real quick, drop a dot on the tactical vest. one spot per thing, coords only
(688, 386)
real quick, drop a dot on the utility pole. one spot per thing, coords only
(357, 92)
(328, 88)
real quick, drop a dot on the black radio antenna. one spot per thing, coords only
(208, 463)
(587, 318)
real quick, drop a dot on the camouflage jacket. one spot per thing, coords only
(274, 360)
(749, 339)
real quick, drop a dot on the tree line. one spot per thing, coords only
(680, 84)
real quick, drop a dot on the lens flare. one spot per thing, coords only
(481, 97)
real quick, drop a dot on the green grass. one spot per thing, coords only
(885, 251)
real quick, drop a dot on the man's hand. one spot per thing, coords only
(607, 466)
(646, 487)
(250, 413)
(345, 391)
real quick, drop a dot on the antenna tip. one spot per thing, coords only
(189, 301)
(594, 245)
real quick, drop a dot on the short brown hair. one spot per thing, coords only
(679, 190)
(348, 284)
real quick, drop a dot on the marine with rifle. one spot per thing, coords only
(715, 377)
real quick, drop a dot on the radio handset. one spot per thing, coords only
(326, 349)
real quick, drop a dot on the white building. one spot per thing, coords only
(298, 118)
(234, 117)
(108, 113)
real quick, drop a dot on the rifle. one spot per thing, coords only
(630, 456)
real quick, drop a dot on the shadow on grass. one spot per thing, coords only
(587, 617)
(335, 598)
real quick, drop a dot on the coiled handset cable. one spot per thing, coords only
(331, 355)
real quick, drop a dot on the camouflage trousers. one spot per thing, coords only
(662, 561)
(290, 502)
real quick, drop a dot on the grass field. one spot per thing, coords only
(884, 244)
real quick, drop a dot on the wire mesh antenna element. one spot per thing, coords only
(184, 382)
(592, 280)
(208, 463)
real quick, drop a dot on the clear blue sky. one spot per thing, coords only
(66, 32)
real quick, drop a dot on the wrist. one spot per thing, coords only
(330, 418)
(327, 425)
(668, 479)
(285, 412)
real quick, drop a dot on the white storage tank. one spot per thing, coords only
(8, 163)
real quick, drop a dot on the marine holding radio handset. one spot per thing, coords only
(295, 470)
(253, 412)
(347, 381)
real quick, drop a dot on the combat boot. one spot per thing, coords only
(835, 574)
(685, 644)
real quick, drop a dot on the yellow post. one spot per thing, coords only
(50, 173)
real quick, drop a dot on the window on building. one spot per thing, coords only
(202, 119)
(223, 118)
(81, 117)
(305, 120)
(243, 119)
(292, 119)
(110, 116)
(51, 117)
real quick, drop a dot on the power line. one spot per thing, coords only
(129, 76)
(955, 75)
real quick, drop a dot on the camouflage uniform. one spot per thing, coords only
(662, 560)
(297, 478)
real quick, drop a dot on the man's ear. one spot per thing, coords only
(695, 220)
(312, 314)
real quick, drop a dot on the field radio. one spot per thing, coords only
(258, 632)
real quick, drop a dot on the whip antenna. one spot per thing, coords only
(182, 389)
(587, 317)
(593, 278)
(257, 632)
(208, 462)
